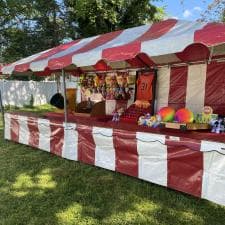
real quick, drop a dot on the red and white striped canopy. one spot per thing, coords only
(165, 42)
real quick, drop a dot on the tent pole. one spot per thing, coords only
(2, 110)
(153, 110)
(64, 95)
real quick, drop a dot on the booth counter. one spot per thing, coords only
(190, 162)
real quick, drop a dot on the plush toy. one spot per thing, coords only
(152, 122)
(167, 114)
(218, 126)
(102, 80)
(142, 104)
(96, 81)
(148, 120)
(116, 117)
(117, 113)
(206, 116)
(142, 121)
(108, 80)
(131, 79)
(184, 116)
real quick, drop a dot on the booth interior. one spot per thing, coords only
(183, 99)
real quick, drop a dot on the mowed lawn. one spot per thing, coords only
(39, 188)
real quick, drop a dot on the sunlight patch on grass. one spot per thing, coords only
(25, 183)
(189, 216)
(130, 217)
(73, 215)
(146, 207)
(36, 109)
(44, 180)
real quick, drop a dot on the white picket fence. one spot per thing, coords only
(18, 93)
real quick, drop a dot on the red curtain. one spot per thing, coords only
(215, 87)
(178, 86)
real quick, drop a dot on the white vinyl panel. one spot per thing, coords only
(24, 132)
(175, 40)
(42, 64)
(7, 131)
(104, 151)
(10, 68)
(214, 177)
(95, 55)
(163, 87)
(44, 134)
(195, 94)
(152, 158)
(70, 146)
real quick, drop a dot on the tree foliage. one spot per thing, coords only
(30, 26)
(90, 17)
(215, 11)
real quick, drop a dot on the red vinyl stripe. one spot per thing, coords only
(186, 142)
(26, 66)
(14, 128)
(57, 137)
(102, 39)
(58, 49)
(86, 144)
(123, 52)
(185, 169)
(126, 152)
(32, 124)
(211, 34)
(101, 65)
(60, 62)
(178, 86)
(215, 87)
(157, 30)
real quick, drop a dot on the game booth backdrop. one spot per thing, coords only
(153, 105)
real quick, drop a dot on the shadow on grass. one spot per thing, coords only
(39, 188)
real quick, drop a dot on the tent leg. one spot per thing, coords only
(2, 110)
(64, 95)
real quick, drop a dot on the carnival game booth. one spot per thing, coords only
(153, 83)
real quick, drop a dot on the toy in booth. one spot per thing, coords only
(143, 119)
(96, 81)
(218, 126)
(167, 114)
(116, 114)
(184, 116)
(206, 116)
(150, 121)
(142, 104)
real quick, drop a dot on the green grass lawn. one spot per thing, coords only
(39, 188)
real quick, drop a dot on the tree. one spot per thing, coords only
(30, 26)
(215, 11)
(91, 17)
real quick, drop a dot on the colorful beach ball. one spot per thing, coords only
(184, 116)
(167, 114)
